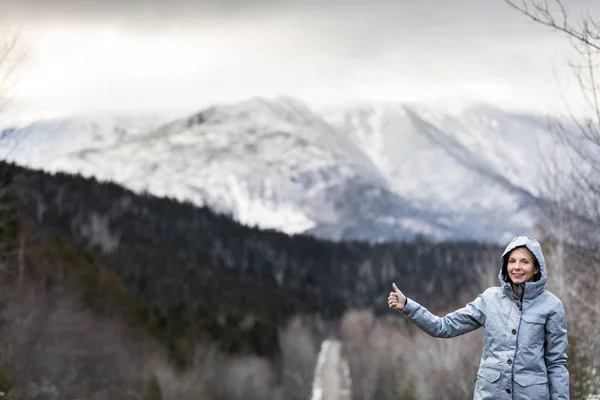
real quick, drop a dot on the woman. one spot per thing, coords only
(525, 346)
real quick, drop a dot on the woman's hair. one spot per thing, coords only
(536, 276)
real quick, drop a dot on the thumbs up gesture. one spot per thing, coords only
(396, 299)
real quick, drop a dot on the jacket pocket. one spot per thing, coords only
(532, 386)
(532, 329)
(530, 379)
(486, 384)
(490, 375)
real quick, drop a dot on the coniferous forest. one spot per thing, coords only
(190, 271)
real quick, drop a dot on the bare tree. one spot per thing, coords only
(571, 232)
(299, 346)
(9, 59)
(389, 358)
(54, 348)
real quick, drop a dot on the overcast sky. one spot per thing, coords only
(151, 55)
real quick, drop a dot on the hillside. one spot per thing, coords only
(192, 269)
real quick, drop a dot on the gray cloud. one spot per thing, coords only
(344, 25)
(315, 47)
(471, 12)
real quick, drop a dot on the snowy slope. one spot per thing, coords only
(480, 168)
(371, 171)
(37, 144)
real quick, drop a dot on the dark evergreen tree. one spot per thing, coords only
(9, 223)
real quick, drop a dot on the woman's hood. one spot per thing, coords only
(531, 289)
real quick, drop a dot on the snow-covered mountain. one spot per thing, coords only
(376, 171)
(482, 169)
(39, 143)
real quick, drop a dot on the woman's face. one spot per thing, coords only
(521, 268)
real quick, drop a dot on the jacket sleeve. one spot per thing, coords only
(459, 322)
(555, 354)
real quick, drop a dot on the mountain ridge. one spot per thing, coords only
(378, 172)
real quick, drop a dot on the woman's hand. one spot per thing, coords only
(396, 299)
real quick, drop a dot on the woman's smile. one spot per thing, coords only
(520, 267)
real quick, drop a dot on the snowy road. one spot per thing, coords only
(332, 377)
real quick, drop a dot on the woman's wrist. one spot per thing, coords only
(404, 305)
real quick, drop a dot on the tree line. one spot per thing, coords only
(193, 271)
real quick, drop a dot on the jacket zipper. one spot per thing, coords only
(521, 300)
(512, 368)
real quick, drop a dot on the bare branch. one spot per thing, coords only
(573, 184)
(558, 19)
(11, 56)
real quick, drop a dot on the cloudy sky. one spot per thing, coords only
(153, 55)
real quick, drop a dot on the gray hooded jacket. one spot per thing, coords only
(525, 345)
